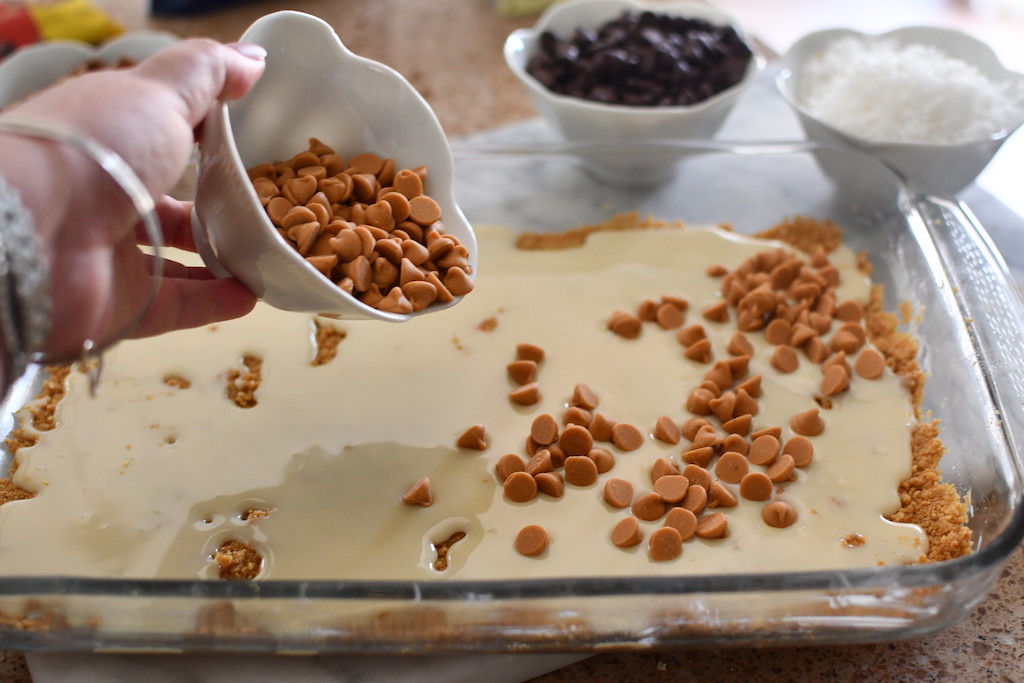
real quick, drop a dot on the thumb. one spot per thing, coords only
(201, 71)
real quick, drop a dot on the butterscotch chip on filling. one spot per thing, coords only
(580, 470)
(665, 544)
(662, 467)
(550, 483)
(666, 430)
(522, 371)
(626, 533)
(526, 395)
(731, 467)
(618, 493)
(763, 450)
(603, 458)
(526, 351)
(520, 487)
(683, 521)
(508, 464)
(544, 430)
(808, 423)
(672, 488)
(532, 540)
(719, 495)
(801, 449)
(715, 525)
(419, 493)
(756, 486)
(600, 427)
(698, 476)
(870, 364)
(696, 499)
(627, 437)
(626, 325)
(648, 507)
(474, 438)
(779, 514)
(576, 440)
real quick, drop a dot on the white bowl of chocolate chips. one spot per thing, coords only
(625, 73)
(327, 189)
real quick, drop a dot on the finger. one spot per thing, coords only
(202, 71)
(175, 218)
(186, 303)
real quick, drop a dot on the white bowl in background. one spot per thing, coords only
(313, 86)
(34, 67)
(586, 121)
(934, 168)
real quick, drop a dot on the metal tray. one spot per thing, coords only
(927, 251)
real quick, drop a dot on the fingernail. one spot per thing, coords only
(249, 50)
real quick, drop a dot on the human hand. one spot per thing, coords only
(100, 278)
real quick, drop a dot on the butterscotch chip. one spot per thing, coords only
(719, 495)
(739, 345)
(550, 483)
(458, 281)
(779, 514)
(419, 494)
(532, 540)
(539, 463)
(520, 487)
(751, 385)
(695, 500)
(699, 401)
(574, 415)
(849, 311)
(870, 364)
(584, 397)
(626, 325)
(815, 350)
(807, 423)
(672, 488)
(626, 533)
(576, 440)
(836, 359)
(508, 464)
(844, 340)
(667, 431)
(738, 425)
(648, 507)
(544, 429)
(736, 443)
(618, 493)
(691, 334)
(731, 467)
(626, 437)
(475, 438)
(763, 450)
(785, 360)
(756, 486)
(721, 374)
(526, 395)
(801, 449)
(662, 467)
(722, 407)
(600, 427)
(697, 475)
(532, 352)
(715, 525)
(683, 521)
(745, 403)
(717, 312)
(603, 458)
(647, 310)
(669, 316)
(557, 455)
(522, 371)
(774, 430)
(782, 469)
(716, 270)
(692, 426)
(665, 544)
(835, 381)
(738, 365)
(580, 470)
(706, 436)
(698, 456)
(779, 332)
(802, 333)
(699, 352)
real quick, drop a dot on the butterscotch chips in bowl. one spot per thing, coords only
(366, 226)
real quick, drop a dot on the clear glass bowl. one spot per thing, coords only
(928, 252)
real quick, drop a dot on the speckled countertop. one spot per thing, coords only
(442, 46)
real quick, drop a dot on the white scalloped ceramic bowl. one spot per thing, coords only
(313, 86)
(579, 120)
(37, 66)
(940, 169)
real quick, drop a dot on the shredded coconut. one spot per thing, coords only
(884, 92)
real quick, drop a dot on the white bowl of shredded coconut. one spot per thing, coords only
(934, 104)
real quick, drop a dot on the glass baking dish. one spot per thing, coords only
(927, 251)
